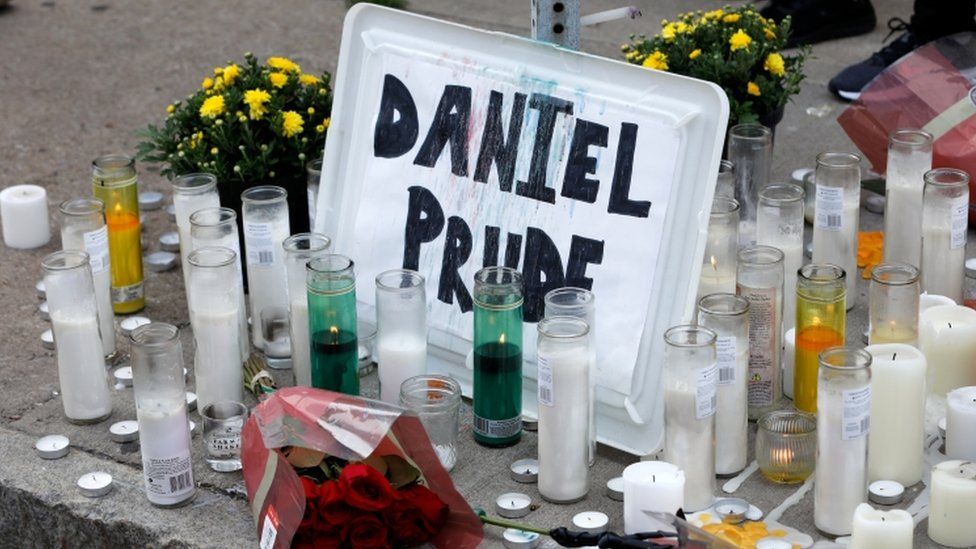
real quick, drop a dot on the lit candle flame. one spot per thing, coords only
(333, 330)
(714, 263)
(501, 339)
(781, 456)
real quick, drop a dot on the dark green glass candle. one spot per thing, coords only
(334, 347)
(497, 356)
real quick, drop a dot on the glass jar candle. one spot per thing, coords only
(266, 226)
(893, 304)
(218, 227)
(564, 360)
(691, 376)
(436, 400)
(751, 152)
(191, 192)
(728, 316)
(760, 281)
(497, 356)
(164, 428)
(838, 180)
(945, 220)
(401, 329)
(909, 157)
(718, 266)
(74, 321)
(725, 184)
(83, 229)
(299, 250)
(786, 446)
(313, 176)
(779, 223)
(215, 297)
(332, 326)
(821, 317)
(579, 303)
(843, 420)
(114, 182)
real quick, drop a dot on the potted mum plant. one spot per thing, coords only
(249, 124)
(736, 48)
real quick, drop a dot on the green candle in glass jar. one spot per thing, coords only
(334, 346)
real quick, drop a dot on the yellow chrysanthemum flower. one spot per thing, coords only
(714, 14)
(278, 79)
(207, 83)
(731, 18)
(753, 89)
(668, 31)
(774, 64)
(770, 33)
(291, 123)
(682, 28)
(231, 72)
(740, 40)
(283, 64)
(309, 79)
(218, 83)
(694, 54)
(170, 109)
(212, 107)
(326, 122)
(257, 100)
(657, 61)
(218, 71)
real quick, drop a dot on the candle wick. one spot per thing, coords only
(653, 478)
(893, 355)
(950, 324)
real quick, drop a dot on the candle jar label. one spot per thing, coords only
(763, 320)
(259, 243)
(725, 351)
(96, 246)
(960, 219)
(546, 396)
(830, 207)
(857, 413)
(224, 444)
(705, 395)
(498, 428)
(172, 476)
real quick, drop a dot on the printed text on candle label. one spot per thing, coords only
(705, 394)
(764, 315)
(170, 476)
(960, 219)
(857, 413)
(725, 347)
(259, 243)
(830, 208)
(546, 397)
(96, 245)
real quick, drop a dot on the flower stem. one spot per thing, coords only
(509, 524)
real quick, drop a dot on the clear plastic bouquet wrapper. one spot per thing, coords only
(325, 469)
(932, 88)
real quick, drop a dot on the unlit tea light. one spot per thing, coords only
(41, 289)
(513, 538)
(161, 261)
(124, 431)
(44, 311)
(530, 424)
(591, 522)
(150, 200)
(615, 488)
(513, 505)
(132, 322)
(191, 401)
(94, 485)
(170, 242)
(123, 375)
(525, 471)
(47, 339)
(52, 446)
(886, 492)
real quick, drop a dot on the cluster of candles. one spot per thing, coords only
(869, 404)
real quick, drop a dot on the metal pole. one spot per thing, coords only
(557, 21)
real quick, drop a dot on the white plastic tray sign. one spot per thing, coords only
(453, 162)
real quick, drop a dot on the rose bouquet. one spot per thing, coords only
(736, 48)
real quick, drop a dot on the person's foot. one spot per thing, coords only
(818, 20)
(849, 82)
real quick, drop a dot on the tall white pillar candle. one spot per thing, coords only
(897, 436)
(838, 180)
(266, 226)
(909, 157)
(945, 218)
(927, 301)
(24, 217)
(961, 424)
(947, 337)
(651, 486)
(952, 504)
(881, 529)
(191, 193)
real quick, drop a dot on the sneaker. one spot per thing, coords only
(848, 84)
(815, 21)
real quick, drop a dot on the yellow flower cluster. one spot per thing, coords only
(657, 61)
(278, 79)
(775, 65)
(753, 89)
(739, 41)
(257, 100)
(212, 107)
(283, 64)
(291, 123)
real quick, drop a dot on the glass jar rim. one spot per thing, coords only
(315, 165)
(850, 358)
(832, 159)
(400, 280)
(82, 206)
(580, 296)
(194, 183)
(154, 334)
(952, 178)
(300, 243)
(573, 327)
(212, 257)
(65, 260)
(110, 163)
(689, 335)
(496, 275)
(782, 193)
(898, 274)
(761, 255)
(263, 194)
(751, 130)
(723, 206)
(809, 421)
(726, 166)
(723, 304)
(331, 264)
(911, 137)
(446, 387)
(212, 217)
(229, 410)
(821, 273)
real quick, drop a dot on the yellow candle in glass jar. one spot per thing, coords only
(114, 182)
(820, 321)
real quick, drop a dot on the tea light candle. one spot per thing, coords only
(193, 427)
(41, 289)
(615, 489)
(161, 261)
(24, 217)
(886, 492)
(191, 401)
(971, 267)
(94, 485)
(732, 510)
(525, 471)
(592, 522)
(952, 508)
(875, 529)
(947, 337)
(513, 505)
(150, 200)
(897, 413)
(773, 543)
(170, 242)
(960, 440)
(44, 311)
(123, 375)
(47, 339)
(517, 539)
(124, 431)
(132, 322)
(52, 446)
(530, 424)
(171, 211)
(651, 486)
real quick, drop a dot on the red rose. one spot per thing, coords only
(332, 504)
(366, 488)
(366, 531)
(311, 497)
(327, 536)
(434, 511)
(407, 524)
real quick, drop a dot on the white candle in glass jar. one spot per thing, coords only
(961, 424)
(81, 366)
(789, 361)
(301, 360)
(399, 356)
(897, 435)
(186, 204)
(564, 394)
(909, 157)
(875, 529)
(942, 262)
(24, 217)
(95, 244)
(651, 486)
(835, 234)
(952, 507)
(266, 226)
(732, 410)
(715, 282)
(947, 337)
(219, 375)
(690, 441)
(164, 440)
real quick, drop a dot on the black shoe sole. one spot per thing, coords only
(855, 27)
